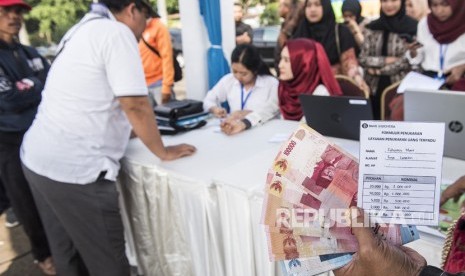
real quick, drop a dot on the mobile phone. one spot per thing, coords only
(408, 38)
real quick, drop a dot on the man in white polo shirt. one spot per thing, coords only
(94, 93)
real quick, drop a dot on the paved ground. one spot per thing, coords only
(15, 256)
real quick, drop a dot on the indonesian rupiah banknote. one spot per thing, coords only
(309, 189)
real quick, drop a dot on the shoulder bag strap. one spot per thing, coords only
(74, 31)
(150, 47)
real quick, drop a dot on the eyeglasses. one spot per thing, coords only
(19, 10)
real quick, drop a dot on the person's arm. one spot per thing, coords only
(16, 96)
(415, 54)
(243, 38)
(216, 96)
(250, 33)
(140, 115)
(356, 31)
(455, 191)
(350, 68)
(365, 58)
(394, 65)
(165, 49)
(268, 111)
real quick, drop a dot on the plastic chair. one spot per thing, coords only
(350, 88)
(387, 97)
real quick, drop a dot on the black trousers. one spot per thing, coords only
(4, 201)
(19, 194)
(84, 225)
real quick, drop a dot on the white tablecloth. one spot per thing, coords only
(200, 215)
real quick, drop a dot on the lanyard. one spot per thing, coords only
(442, 56)
(244, 101)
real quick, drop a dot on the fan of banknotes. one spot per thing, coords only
(309, 189)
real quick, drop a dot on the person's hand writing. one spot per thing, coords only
(378, 257)
(455, 191)
(232, 126)
(218, 112)
(178, 151)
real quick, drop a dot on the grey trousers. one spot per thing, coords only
(83, 225)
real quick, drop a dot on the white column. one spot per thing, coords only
(195, 44)
(161, 9)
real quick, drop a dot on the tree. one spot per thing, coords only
(172, 6)
(52, 18)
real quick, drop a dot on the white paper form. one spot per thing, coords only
(400, 171)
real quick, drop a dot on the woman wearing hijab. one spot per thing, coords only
(304, 69)
(299, 75)
(352, 13)
(440, 47)
(417, 9)
(318, 22)
(383, 52)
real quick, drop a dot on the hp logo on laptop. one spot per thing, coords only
(455, 126)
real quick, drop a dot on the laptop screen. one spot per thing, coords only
(439, 106)
(336, 116)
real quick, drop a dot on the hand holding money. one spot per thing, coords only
(378, 257)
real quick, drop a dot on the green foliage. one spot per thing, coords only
(52, 18)
(172, 6)
(270, 15)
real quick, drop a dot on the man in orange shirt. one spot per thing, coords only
(157, 59)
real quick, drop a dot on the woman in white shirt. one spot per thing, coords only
(250, 90)
(417, 9)
(440, 47)
(304, 69)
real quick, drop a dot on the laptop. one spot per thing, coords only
(336, 116)
(440, 106)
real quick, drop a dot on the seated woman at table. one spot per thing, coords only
(304, 69)
(247, 90)
(440, 46)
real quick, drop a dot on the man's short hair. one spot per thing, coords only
(238, 4)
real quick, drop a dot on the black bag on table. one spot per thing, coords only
(180, 116)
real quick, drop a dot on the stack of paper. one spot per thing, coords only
(309, 189)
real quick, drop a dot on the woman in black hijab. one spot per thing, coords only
(383, 51)
(318, 22)
(352, 13)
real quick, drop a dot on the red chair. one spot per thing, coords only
(350, 88)
(392, 104)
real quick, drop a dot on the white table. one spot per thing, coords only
(200, 215)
